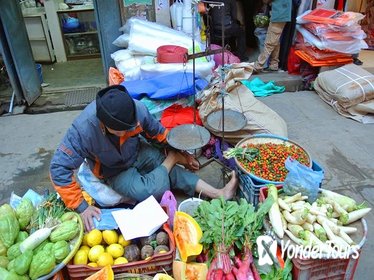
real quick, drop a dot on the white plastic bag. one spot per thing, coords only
(101, 193)
(176, 14)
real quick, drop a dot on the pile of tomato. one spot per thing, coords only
(269, 164)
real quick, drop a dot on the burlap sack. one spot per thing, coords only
(347, 85)
(260, 118)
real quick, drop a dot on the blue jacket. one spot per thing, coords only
(281, 10)
(87, 139)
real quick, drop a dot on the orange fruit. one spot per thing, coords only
(105, 259)
(106, 273)
(95, 252)
(115, 250)
(94, 237)
(110, 236)
(120, 260)
(123, 241)
(80, 257)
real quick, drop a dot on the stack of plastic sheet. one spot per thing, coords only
(329, 37)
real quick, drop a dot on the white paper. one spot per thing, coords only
(146, 217)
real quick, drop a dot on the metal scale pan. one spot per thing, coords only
(188, 137)
(233, 120)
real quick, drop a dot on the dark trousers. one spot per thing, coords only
(234, 33)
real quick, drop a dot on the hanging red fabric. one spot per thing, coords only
(177, 115)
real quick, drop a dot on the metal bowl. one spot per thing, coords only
(233, 120)
(262, 139)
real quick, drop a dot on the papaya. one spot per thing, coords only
(106, 273)
(187, 234)
(189, 271)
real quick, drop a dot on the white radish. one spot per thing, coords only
(310, 218)
(293, 198)
(274, 212)
(307, 226)
(284, 222)
(296, 230)
(346, 202)
(298, 241)
(35, 239)
(346, 238)
(292, 219)
(348, 230)
(283, 204)
(356, 215)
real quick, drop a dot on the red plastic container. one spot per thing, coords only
(318, 269)
(332, 269)
(156, 264)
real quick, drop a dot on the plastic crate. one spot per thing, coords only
(332, 269)
(318, 269)
(156, 264)
(249, 188)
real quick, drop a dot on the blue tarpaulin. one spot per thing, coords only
(168, 86)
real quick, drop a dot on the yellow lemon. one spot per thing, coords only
(115, 250)
(110, 236)
(94, 237)
(84, 241)
(92, 264)
(85, 248)
(105, 259)
(123, 241)
(120, 260)
(80, 257)
(95, 252)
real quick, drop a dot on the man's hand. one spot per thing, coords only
(192, 163)
(88, 215)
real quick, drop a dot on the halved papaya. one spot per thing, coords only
(187, 234)
(189, 271)
(106, 273)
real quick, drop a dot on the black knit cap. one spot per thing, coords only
(115, 108)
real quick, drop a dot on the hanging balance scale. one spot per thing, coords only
(193, 136)
(189, 137)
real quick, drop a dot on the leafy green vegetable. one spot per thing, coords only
(245, 153)
(273, 273)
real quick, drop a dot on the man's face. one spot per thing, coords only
(118, 133)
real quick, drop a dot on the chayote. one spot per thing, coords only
(40, 246)
(22, 262)
(9, 226)
(24, 212)
(42, 263)
(4, 261)
(8, 275)
(61, 250)
(14, 251)
(22, 235)
(3, 249)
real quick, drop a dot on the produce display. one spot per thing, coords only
(34, 241)
(268, 162)
(325, 224)
(230, 230)
(108, 247)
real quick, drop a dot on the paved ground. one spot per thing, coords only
(343, 147)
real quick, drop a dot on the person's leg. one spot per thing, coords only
(274, 56)
(163, 174)
(272, 40)
(228, 192)
(238, 33)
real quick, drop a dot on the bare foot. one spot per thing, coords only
(229, 190)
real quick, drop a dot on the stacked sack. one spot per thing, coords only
(349, 90)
